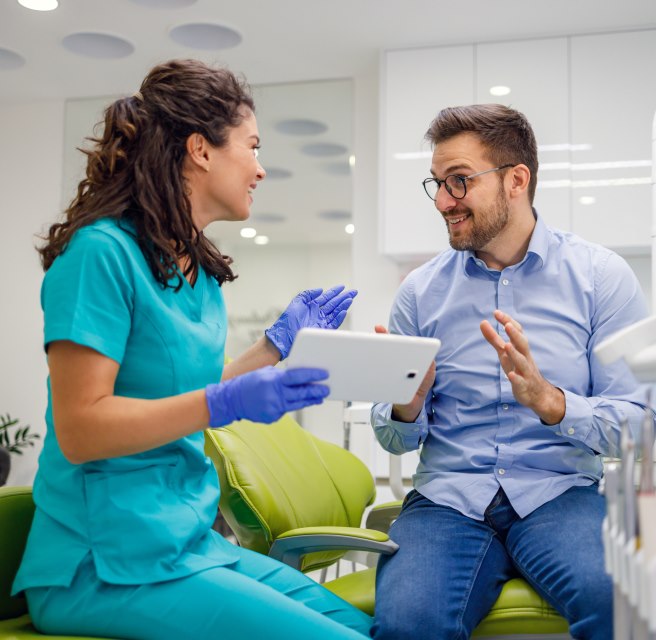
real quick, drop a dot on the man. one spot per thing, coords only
(514, 420)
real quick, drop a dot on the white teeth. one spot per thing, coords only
(457, 220)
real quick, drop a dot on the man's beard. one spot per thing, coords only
(486, 225)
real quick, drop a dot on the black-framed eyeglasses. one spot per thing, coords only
(456, 185)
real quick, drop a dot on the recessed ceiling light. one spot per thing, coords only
(269, 217)
(203, 35)
(39, 5)
(335, 214)
(276, 173)
(97, 45)
(261, 239)
(248, 232)
(340, 168)
(499, 90)
(300, 127)
(350, 228)
(587, 199)
(351, 161)
(165, 4)
(10, 60)
(323, 149)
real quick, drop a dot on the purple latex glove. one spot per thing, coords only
(310, 309)
(264, 395)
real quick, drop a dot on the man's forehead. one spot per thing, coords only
(463, 151)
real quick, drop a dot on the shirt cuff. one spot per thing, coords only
(577, 421)
(411, 434)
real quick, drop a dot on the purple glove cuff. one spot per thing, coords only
(221, 413)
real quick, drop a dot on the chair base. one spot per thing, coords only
(518, 611)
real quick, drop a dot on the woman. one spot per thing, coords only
(121, 545)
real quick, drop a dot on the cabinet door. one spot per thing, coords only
(416, 84)
(613, 104)
(535, 71)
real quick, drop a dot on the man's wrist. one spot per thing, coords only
(404, 413)
(552, 410)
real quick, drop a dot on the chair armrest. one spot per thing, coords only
(292, 545)
(381, 516)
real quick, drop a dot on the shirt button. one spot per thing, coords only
(505, 407)
(570, 431)
(504, 281)
(502, 471)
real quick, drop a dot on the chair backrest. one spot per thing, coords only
(278, 477)
(16, 513)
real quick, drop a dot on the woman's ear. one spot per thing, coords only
(520, 176)
(198, 151)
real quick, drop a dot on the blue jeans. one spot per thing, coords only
(449, 569)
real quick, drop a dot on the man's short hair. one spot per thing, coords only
(504, 132)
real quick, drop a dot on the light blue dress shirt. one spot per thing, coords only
(568, 295)
(147, 517)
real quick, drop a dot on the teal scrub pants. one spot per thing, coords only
(256, 597)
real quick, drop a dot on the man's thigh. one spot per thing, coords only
(559, 549)
(447, 573)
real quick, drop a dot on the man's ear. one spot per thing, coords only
(198, 151)
(520, 177)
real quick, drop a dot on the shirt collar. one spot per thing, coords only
(538, 246)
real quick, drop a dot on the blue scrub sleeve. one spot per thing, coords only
(88, 296)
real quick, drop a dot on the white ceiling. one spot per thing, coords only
(283, 41)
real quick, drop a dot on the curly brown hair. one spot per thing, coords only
(134, 169)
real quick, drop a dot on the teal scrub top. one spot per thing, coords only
(146, 517)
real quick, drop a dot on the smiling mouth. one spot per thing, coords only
(453, 221)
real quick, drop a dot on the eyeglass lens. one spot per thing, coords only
(455, 185)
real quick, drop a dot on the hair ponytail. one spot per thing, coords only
(135, 168)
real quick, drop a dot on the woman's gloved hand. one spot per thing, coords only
(264, 395)
(310, 309)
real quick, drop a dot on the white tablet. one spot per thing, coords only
(367, 367)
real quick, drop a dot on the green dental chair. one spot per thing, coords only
(16, 512)
(297, 498)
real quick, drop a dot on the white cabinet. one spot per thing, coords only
(613, 96)
(591, 101)
(416, 84)
(533, 70)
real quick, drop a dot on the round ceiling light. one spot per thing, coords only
(499, 90)
(273, 218)
(337, 168)
(276, 173)
(261, 239)
(39, 5)
(97, 45)
(165, 4)
(10, 60)
(202, 35)
(248, 232)
(335, 214)
(301, 127)
(323, 149)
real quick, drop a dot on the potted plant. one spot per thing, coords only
(21, 438)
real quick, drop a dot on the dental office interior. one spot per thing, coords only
(344, 93)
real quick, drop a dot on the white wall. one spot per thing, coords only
(30, 179)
